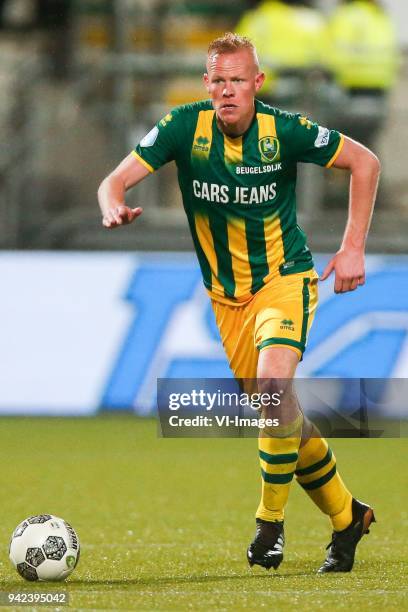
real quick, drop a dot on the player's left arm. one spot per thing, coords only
(348, 263)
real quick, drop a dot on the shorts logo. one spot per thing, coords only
(287, 324)
(269, 149)
(201, 144)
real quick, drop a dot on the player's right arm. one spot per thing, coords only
(162, 144)
(112, 190)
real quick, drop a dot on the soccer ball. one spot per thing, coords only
(44, 547)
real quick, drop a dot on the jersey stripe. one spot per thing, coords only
(255, 232)
(275, 253)
(218, 227)
(202, 257)
(232, 150)
(203, 135)
(274, 243)
(237, 239)
(266, 125)
(207, 244)
(237, 242)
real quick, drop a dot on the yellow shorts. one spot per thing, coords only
(279, 314)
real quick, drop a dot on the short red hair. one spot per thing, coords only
(231, 43)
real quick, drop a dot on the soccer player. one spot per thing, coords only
(236, 160)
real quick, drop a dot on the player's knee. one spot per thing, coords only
(279, 401)
(277, 363)
(275, 387)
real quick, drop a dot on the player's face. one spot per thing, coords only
(232, 80)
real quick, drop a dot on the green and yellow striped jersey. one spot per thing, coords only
(239, 193)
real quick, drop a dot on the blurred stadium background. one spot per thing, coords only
(82, 81)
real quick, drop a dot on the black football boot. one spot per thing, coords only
(342, 547)
(267, 546)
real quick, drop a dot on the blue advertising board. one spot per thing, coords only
(173, 333)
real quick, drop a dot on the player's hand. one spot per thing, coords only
(120, 215)
(348, 266)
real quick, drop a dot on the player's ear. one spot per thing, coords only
(206, 81)
(259, 80)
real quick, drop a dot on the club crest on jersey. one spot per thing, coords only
(269, 148)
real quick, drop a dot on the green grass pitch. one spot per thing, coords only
(164, 524)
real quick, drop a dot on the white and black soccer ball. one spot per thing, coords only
(44, 547)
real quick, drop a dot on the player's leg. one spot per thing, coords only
(278, 445)
(278, 452)
(237, 328)
(289, 323)
(284, 311)
(316, 469)
(317, 473)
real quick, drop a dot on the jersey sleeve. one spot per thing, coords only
(311, 143)
(163, 143)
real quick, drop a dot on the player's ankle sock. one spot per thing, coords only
(278, 457)
(316, 472)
